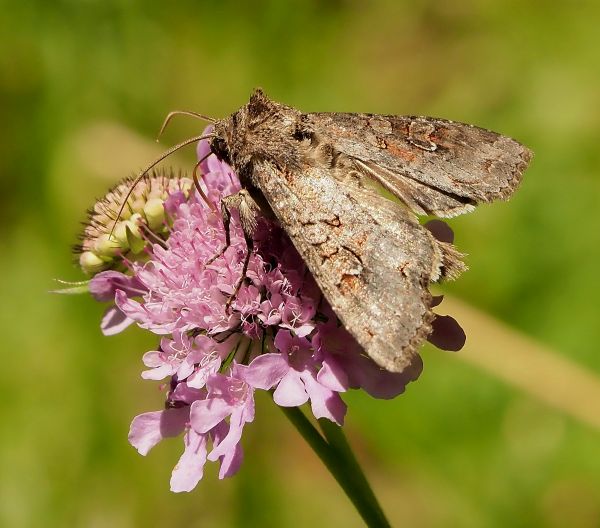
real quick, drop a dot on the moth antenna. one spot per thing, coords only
(174, 113)
(141, 175)
(197, 183)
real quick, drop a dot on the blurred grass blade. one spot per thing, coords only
(524, 363)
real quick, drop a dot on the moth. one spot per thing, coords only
(321, 175)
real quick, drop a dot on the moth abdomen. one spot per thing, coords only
(450, 264)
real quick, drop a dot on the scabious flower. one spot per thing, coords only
(222, 339)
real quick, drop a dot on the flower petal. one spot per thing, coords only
(185, 369)
(324, 402)
(239, 417)
(386, 385)
(184, 393)
(232, 460)
(198, 378)
(104, 285)
(304, 330)
(440, 230)
(266, 371)
(205, 414)
(150, 428)
(333, 376)
(283, 340)
(190, 467)
(290, 392)
(158, 373)
(114, 321)
(447, 334)
(152, 359)
(436, 300)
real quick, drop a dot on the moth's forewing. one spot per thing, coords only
(436, 167)
(370, 257)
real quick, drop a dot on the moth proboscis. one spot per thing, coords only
(370, 256)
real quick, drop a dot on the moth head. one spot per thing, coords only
(256, 131)
(228, 143)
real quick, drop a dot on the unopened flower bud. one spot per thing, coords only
(135, 239)
(106, 246)
(154, 211)
(120, 235)
(186, 186)
(137, 205)
(128, 234)
(91, 263)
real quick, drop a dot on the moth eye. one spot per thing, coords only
(220, 149)
(303, 135)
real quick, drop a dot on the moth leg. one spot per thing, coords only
(227, 228)
(247, 207)
(242, 277)
(248, 210)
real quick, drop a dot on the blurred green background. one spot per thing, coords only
(84, 86)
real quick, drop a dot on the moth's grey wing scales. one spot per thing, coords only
(370, 257)
(435, 166)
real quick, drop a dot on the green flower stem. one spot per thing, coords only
(337, 456)
(336, 438)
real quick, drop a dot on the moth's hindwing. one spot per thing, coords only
(436, 167)
(371, 258)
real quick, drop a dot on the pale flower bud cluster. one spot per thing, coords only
(109, 237)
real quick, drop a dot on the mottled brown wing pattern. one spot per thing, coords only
(371, 258)
(436, 167)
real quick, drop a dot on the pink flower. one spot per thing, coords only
(298, 315)
(294, 371)
(103, 287)
(191, 359)
(228, 397)
(190, 467)
(278, 333)
(150, 428)
(344, 366)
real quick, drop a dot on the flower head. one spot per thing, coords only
(225, 335)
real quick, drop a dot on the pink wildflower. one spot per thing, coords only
(228, 397)
(150, 428)
(278, 334)
(187, 358)
(294, 370)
